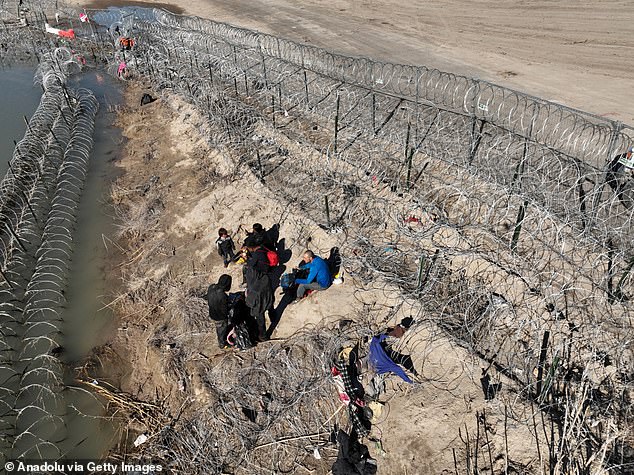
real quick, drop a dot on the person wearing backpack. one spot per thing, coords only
(262, 236)
(319, 276)
(217, 300)
(257, 257)
(259, 293)
(268, 240)
(225, 246)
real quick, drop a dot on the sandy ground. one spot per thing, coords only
(577, 53)
(171, 173)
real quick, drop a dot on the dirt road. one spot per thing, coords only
(579, 53)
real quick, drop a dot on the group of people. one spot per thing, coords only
(259, 258)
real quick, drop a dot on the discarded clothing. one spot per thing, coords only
(354, 457)
(342, 368)
(377, 409)
(341, 387)
(360, 423)
(381, 362)
(70, 33)
(344, 372)
(376, 386)
(147, 99)
(345, 354)
(126, 43)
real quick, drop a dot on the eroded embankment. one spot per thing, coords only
(179, 389)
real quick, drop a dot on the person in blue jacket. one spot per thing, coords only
(319, 277)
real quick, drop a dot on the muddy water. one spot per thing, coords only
(18, 98)
(87, 323)
(103, 4)
(83, 431)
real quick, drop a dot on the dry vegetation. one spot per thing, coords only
(202, 394)
(496, 234)
(497, 237)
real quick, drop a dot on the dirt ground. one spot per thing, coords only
(170, 203)
(576, 53)
(579, 55)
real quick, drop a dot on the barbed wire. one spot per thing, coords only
(39, 198)
(487, 205)
(501, 214)
(269, 409)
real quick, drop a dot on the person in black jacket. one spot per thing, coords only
(615, 173)
(259, 294)
(256, 255)
(262, 236)
(218, 302)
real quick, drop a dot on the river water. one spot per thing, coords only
(18, 98)
(85, 323)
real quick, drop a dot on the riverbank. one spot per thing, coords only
(179, 189)
(174, 191)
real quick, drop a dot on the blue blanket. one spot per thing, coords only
(381, 362)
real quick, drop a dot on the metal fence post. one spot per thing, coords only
(518, 225)
(266, 81)
(474, 122)
(616, 130)
(336, 123)
(374, 113)
(306, 88)
(327, 211)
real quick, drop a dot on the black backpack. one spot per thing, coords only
(238, 318)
